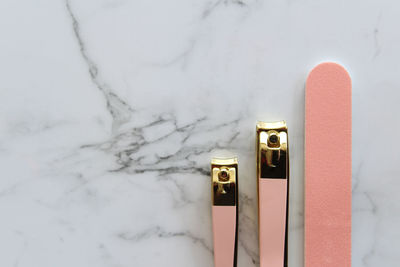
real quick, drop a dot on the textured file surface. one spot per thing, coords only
(328, 167)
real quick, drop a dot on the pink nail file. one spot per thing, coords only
(224, 175)
(273, 184)
(328, 167)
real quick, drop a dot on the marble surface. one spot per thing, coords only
(110, 111)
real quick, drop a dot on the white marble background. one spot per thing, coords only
(110, 111)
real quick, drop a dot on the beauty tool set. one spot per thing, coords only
(327, 216)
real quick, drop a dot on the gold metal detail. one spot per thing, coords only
(224, 173)
(272, 150)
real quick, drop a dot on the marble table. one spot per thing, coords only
(112, 109)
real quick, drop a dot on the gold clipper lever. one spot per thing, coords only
(224, 181)
(272, 150)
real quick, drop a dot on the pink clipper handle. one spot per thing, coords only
(224, 228)
(224, 174)
(273, 183)
(272, 217)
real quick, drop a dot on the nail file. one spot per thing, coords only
(328, 167)
(224, 176)
(273, 184)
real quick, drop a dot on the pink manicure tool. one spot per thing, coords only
(273, 187)
(224, 175)
(328, 167)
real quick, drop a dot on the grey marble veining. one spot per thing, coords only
(112, 109)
